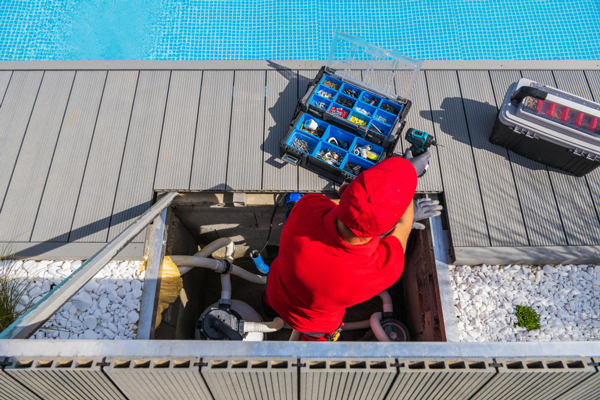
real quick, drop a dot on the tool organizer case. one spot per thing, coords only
(377, 117)
(550, 126)
(370, 121)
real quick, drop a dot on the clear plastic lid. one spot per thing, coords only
(381, 67)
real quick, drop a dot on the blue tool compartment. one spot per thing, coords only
(376, 117)
(328, 150)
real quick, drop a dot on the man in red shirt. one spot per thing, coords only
(333, 256)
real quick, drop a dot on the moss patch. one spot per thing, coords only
(527, 318)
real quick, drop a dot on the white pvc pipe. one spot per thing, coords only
(387, 301)
(295, 336)
(377, 329)
(185, 262)
(210, 248)
(353, 326)
(263, 327)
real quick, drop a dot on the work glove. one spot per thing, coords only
(421, 162)
(425, 208)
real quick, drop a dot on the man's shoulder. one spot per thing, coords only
(316, 201)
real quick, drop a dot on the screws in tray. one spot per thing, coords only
(370, 100)
(350, 92)
(320, 104)
(335, 142)
(354, 169)
(331, 85)
(301, 145)
(345, 102)
(325, 94)
(339, 111)
(358, 121)
(388, 108)
(330, 157)
(363, 111)
(366, 152)
(382, 119)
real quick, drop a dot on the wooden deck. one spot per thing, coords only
(83, 151)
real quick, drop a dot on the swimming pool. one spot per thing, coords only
(296, 29)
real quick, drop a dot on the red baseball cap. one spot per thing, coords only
(377, 198)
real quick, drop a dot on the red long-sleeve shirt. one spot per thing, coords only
(317, 275)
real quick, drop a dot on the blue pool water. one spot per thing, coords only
(296, 29)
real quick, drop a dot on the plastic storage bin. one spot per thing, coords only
(550, 126)
(329, 150)
(359, 122)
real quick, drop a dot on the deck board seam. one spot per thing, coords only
(512, 171)
(555, 196)
(464, 108)
(196, 129)
(87, 156)
(264, 129)
(162, 129)
(53, 154)
(6, 89)
(587, 82)
(122, 156)
(22, 141)
(229, 137)
(432, 128)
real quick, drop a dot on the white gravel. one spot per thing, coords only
(107, 307)
(567, 298)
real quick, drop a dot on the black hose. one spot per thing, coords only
(277, 202)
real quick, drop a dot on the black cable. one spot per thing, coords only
(277, 202)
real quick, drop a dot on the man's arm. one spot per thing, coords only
(404, 226)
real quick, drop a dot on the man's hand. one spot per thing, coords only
(421, 162)
(425, 208)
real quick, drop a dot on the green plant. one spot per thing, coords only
(13, 286)
(527, 318)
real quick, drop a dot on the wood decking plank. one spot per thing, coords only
(282, 96)
(15, 112)
(498, 190)
(464, 204)
(309, 181)
(58, 203)
(578, 83)
(135, 188)
(4, 81)
(179, 134)
(572, 193)
(97, 194)
(538, 204)
(209, 167)
(31, 170)
(245, 160)
(420, 117)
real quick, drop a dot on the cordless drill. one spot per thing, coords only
(420, 141)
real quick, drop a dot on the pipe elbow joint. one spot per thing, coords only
(258, 262)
